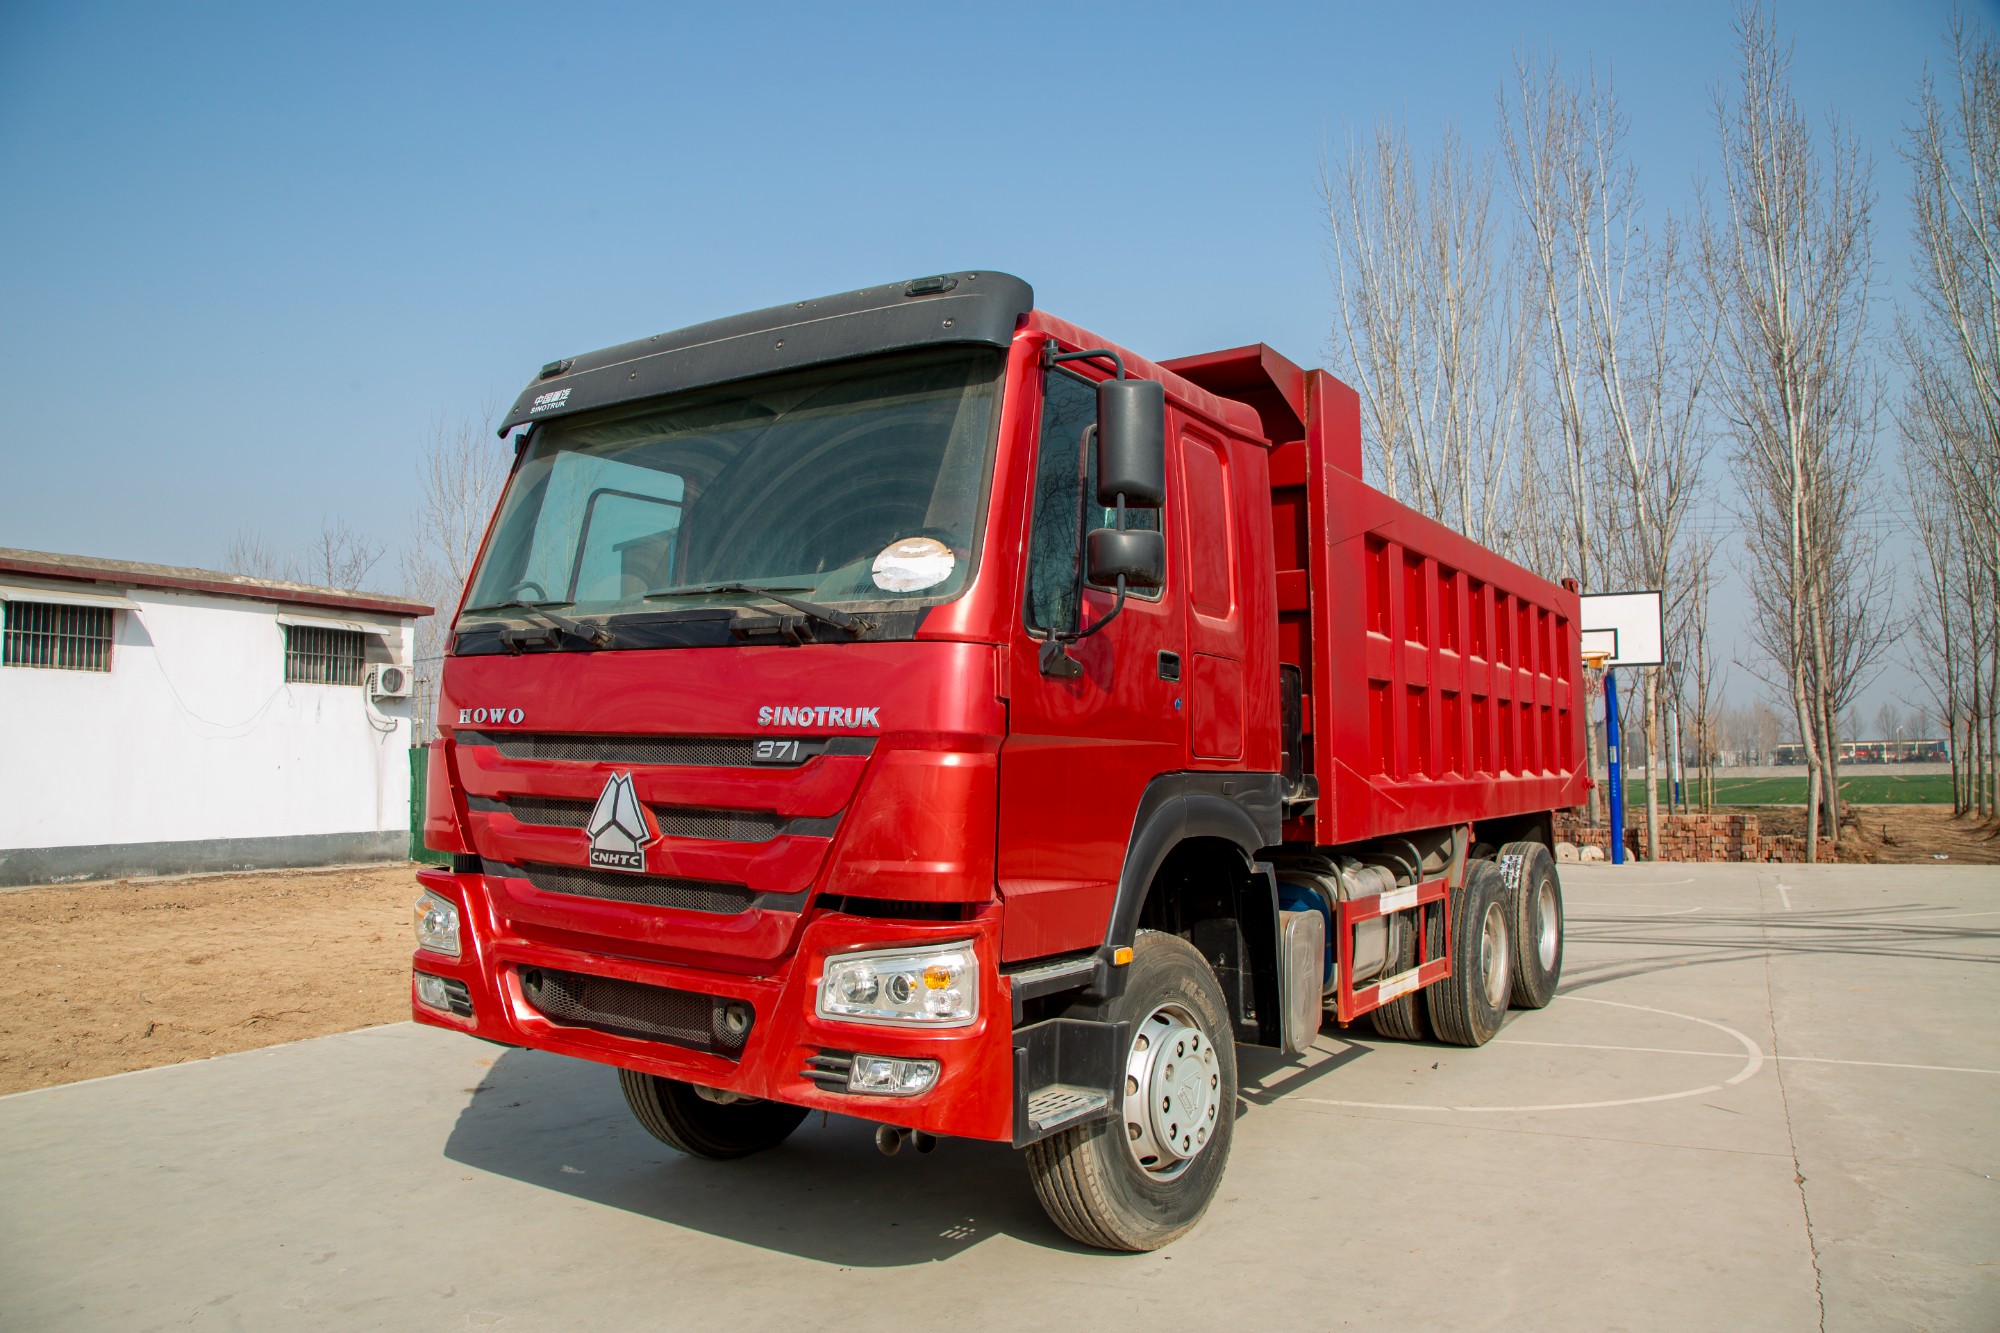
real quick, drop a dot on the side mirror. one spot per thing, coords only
(1131, 443)
(1136, 554)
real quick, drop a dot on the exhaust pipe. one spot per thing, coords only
(889, 1139)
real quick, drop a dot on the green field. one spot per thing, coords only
(1867, 789)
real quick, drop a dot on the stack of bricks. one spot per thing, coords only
(1706, 837)
(1794, 849)
(1698, 837)
(1570, 828)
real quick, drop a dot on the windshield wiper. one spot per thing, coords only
(596, 634)
(776, 593)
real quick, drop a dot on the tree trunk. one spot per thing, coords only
(1809, 742)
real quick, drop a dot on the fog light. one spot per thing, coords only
(444, 994)
(430, 990)
(436, 921)
(887, 1076)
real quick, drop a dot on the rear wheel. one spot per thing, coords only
(1467, 1006)
(701, 1123)
(1400, 1019)
(1535, 907)
(1143, 1177)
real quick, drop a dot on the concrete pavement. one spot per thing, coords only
(1766, 1098)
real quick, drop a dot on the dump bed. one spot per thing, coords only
(1441, 680)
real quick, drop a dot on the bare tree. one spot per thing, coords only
(1625, 363)
(250, 552)
(1950, 421)
(459, 477)
(334, 557)
(1429, 324)
(337, 557)
(1788, 268)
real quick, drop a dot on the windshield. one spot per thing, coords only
(857, 483)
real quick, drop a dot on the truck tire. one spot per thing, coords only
(1535, 906)
(1401, 1019)
(684, 1120)
(1143, 1177)
(1467, 1006)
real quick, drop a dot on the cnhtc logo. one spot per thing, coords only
(617, 827)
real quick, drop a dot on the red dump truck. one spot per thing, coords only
(909, 705)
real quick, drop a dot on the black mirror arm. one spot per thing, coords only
(1052, 357)
(1055, 658)
(1109, 616)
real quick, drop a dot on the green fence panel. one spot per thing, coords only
(419, 771)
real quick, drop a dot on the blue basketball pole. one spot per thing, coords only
(1617, 781)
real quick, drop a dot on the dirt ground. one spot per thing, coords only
(137, 973)
(127, 975)
(1898, 834)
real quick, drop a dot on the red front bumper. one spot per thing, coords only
(974, 1094)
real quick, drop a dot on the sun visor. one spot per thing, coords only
(926, 312)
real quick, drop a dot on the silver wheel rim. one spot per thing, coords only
(1493, 960)
(1551, 926)
(1173, 1092)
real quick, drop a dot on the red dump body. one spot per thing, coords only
(1440, 678)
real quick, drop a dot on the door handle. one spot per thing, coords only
(1170, 665)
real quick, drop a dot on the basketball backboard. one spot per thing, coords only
(1625, 627)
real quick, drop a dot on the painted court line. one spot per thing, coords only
(1786, 897)
(1732, 1055)
(1753, 1060)
(1661, 908)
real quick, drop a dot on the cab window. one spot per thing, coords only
(1064, 475)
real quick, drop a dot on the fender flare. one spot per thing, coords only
(1245, 809)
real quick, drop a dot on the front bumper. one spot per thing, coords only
(972, 1098)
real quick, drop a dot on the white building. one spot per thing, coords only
(156, 720)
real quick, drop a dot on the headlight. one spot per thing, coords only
(437, 924)
(917, 987)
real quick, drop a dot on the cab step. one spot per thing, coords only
(1059, 1104)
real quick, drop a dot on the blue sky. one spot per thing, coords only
(249, 254)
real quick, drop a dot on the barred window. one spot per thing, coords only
(315, 656)
(60, 637)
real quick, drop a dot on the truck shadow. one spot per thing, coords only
(825, 1194)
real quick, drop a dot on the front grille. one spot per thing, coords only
(829, 1069)
(675, 821)
(691, 895)
(647, 1013)
(686, 751)
(721, 825)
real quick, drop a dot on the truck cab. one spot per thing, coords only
(880, 704)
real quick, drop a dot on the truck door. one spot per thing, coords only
(1215, 630)
(1080, 750)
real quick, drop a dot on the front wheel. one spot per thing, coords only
(1143, 1177)
(700, 1123)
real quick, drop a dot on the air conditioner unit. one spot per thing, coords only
(389, 682)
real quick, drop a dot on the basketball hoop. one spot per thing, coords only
(1595, 658)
